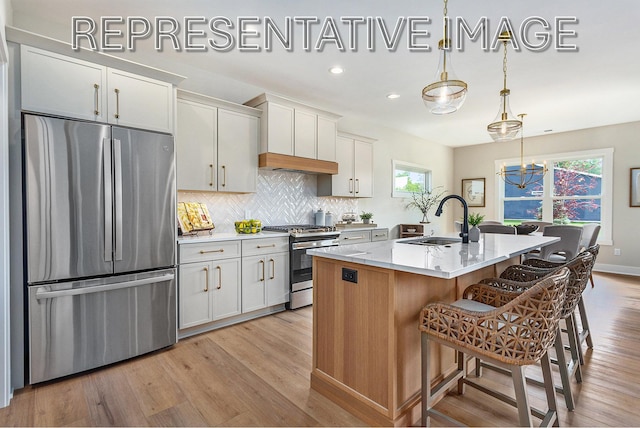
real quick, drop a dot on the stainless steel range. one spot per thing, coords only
(301, 238)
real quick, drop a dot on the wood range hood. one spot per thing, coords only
(296, 163)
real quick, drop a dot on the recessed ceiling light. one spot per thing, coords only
(336, 70)
(393, 96)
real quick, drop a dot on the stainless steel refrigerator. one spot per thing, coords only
(100, 244)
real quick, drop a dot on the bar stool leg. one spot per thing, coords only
(574, 348)
(426, 381)
(549, 389)
(586, 331)
(522, 400)
(564, 373)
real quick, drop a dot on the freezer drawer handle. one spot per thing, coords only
(107, 287)
(221, 250)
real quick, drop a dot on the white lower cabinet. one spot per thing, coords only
(224, 279)
(209, 291)
(209, 280)
(265, 275)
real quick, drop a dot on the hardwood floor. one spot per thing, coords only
(257, 374)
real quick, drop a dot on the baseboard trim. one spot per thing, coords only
(619, 269)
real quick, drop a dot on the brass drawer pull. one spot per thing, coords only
(206, 279)
(266, 246)
(262, 262)
(273, 269)
(219, 269)
(221, 250)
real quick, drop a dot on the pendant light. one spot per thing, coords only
(447, 94)
(526, 174)
(505, 126)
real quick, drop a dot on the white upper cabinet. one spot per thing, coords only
(305, 134)
(327, 130)
(354, 155)
(196, 141)
(217, 145)
(277, 129)
(294, 129)
(237, 151)
(65, 86)
(59, 85)
(139, 101)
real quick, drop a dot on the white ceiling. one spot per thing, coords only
(562, 91)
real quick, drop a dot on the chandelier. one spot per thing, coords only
(526, 174)
(505, 126)
(447, 94)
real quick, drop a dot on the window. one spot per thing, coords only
(576, 190)
(408, 178)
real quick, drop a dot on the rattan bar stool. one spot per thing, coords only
(515, 277)
(510, 329)
(583, 334)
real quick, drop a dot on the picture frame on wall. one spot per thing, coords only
(634, 188)
(473, 191)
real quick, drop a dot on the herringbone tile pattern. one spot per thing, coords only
(282, 197)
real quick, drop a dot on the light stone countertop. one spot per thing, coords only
(439, 261)
(227, 236)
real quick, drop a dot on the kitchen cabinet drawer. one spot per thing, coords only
(256, 247)
(379, 235)
(355, 237)
(209, 251)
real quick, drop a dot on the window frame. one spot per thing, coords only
(606, 198)
(411, 167)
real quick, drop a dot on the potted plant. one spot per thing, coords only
(474, 220)
(425, 200)
(366, 217)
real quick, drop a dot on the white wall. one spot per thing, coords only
(479, 161)
(5, 392)
(392, 144)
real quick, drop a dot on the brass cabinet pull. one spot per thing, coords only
(273, 269)
(262, 262)
(117, 115)
(351, 185)
(97, 110)
(267, 246)
(357, 185)
(211, 182)
(378, 235)
(206, 279)
(219, 269)
(221, 250)
(224, 175)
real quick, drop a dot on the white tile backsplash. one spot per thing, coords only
(282, 197)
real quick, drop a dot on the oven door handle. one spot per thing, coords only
(314, 244)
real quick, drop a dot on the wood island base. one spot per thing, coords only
(366, 342)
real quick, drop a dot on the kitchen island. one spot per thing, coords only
(366, 304)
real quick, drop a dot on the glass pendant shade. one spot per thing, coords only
(505, 126)
(447, 94)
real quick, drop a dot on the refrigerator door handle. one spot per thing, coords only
(108, 200)
(107, 287)
(117, 154)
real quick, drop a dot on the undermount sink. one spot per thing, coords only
(433, 240)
